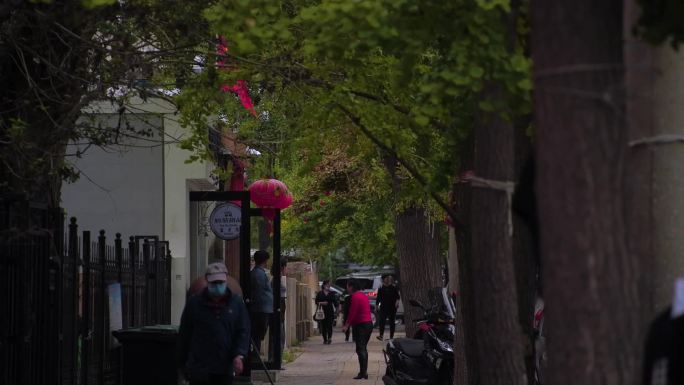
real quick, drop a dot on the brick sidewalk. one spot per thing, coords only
(334, 364)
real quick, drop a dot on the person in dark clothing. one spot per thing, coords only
(328, 300)
(345, 315)
(283, 300)
(213, 338)
(387, 302)
(359, 320)
(261, 306)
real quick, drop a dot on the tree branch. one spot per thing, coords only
(356, 120)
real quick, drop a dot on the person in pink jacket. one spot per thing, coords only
(359, 319)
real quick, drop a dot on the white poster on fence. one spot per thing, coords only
(115, 310)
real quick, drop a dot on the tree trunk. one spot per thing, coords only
(42, 95)
(655, 185)
(499, 335)
(418, 245)
(590, 278)
(418, 251)
(460, 357)
(638, 185)
(466, 335)
(525, 251)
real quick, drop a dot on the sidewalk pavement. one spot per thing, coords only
(334, 364)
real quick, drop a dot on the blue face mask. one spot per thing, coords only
(217, 289)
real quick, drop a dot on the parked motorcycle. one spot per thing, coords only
(428, 359)
(539, 342)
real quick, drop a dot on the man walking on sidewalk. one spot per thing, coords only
(214, 332)
(387, 303)
(261, 307)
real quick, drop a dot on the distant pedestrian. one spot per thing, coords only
(328, 301)
(283, 300)
(214, 332)
(359, 320)
(345, 316)
(261, 305)
(387, 303)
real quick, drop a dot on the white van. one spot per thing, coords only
(370, 283)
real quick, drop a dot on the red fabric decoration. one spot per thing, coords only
(240, 87)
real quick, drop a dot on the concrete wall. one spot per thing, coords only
(177, 222)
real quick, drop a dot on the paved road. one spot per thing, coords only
(334, 364)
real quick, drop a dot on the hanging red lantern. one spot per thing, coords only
(269, 195)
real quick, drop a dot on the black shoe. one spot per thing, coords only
(361, 377)
(379, 337)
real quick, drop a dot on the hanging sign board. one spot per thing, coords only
(225, 221)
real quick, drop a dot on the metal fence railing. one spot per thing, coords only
(55, 294)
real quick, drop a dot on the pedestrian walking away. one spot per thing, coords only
(261, 305)
(214, 332)
(283, 300)
(330, 304)
(387, 303)
(345, 316)
(359, 320)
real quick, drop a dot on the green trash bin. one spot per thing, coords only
(148, 355)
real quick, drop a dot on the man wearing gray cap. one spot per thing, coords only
(214, 332)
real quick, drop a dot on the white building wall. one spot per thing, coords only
(121, 187)
(141, 189)
(177, 221)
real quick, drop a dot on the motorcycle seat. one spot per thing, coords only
(410, 347)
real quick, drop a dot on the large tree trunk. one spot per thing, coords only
(590, 278)
(525, 251)
(460, 356)
(638, 184)
(499, 335)
(654, 186)
(42, 95)
(418, 251)
(466, 335)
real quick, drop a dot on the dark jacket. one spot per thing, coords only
(387, 298)
(210, 337)
(262, 292)
(331, 298)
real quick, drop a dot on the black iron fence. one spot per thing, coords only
(61, 294)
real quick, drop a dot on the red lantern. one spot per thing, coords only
(270, 194)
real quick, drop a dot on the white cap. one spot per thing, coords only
(216, 271)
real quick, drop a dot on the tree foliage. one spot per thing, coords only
(661, 21)
(400, 79)
(58, 56)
